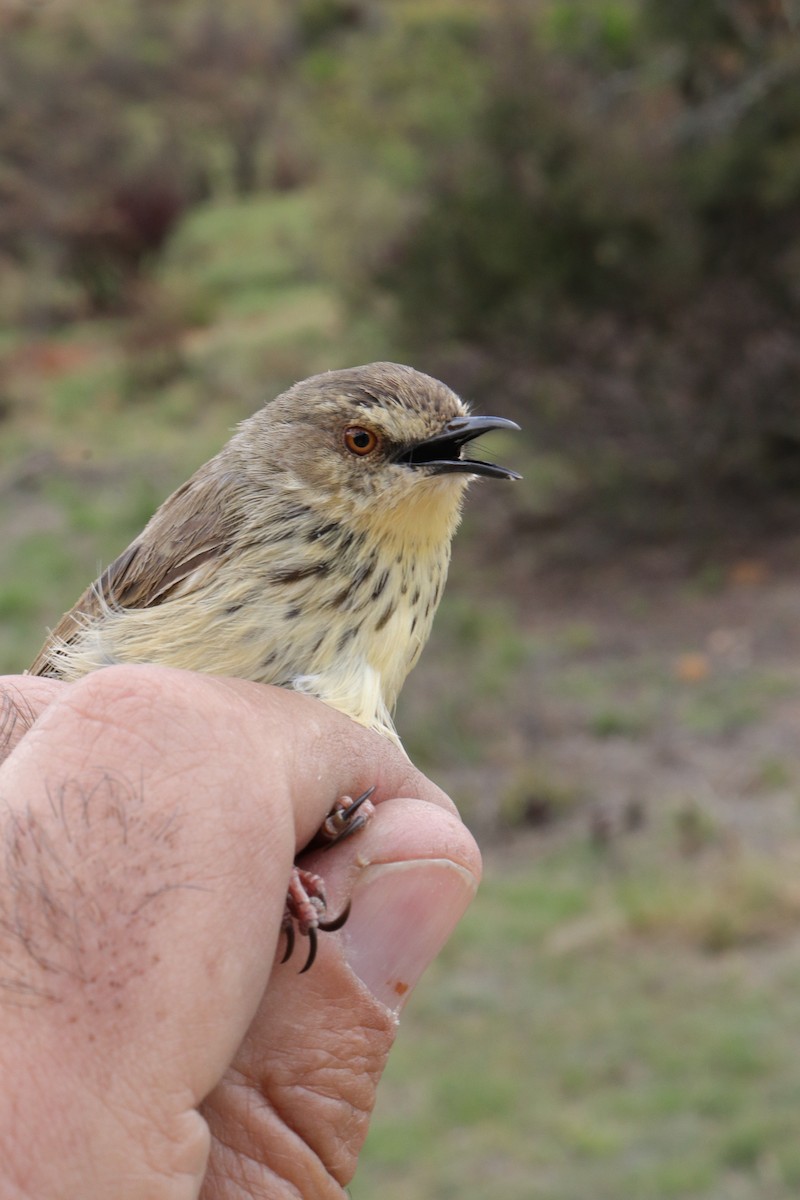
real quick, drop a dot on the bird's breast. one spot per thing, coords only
(373, 625)
(333, 612)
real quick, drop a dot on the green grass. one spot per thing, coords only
(631, 696)
(612, 1021)
(535, 1064)
(724, 705)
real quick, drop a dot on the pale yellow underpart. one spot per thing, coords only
(356, 690)
(193, 628)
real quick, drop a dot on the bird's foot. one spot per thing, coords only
(345, 818)
(306, 903)
(305, 907)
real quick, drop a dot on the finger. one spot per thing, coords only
(147, 842)
(151, 821)
(303, 1084)
(23, 698)
(338, 753)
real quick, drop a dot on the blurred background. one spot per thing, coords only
(583, 214)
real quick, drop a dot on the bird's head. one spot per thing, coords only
(381, 442)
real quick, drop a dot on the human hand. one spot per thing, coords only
(149, 1044)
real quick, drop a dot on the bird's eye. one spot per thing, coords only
(360, 441)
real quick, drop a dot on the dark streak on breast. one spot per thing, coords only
(340, 598)
(346, 637)
(384, 618)
(294, 574)
(286, 529)
(380, 585)
(322, 531)
(364, 571)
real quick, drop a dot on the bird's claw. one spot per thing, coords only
(345, 818)
(306, 903)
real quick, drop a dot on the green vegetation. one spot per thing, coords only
(590, 208)
(593, 1030)
(585, 214)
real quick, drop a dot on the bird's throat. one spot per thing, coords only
(424, 523)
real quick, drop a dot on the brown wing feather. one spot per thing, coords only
(192, 527)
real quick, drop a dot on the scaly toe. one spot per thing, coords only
(345, 818)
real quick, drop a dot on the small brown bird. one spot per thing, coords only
(311, 553)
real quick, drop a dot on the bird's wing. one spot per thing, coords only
(190, 531)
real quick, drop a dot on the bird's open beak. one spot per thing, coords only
(441, 454)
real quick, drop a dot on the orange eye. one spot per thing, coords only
(360, 441)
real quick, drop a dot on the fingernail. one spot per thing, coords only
(402, 915)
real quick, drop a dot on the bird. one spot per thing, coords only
(311, 552)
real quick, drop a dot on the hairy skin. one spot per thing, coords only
(148, 1049)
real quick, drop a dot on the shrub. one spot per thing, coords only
(614, 232)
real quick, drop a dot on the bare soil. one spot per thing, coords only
(643, 685)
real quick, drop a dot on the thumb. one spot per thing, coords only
(303, 1085)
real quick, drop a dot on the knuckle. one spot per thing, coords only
(124, 700)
